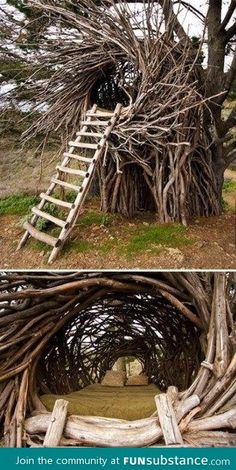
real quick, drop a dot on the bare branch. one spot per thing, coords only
(191, 8)
(228, 15)
(172, 20)
(231, 74)
(230, 33)
(230, 154)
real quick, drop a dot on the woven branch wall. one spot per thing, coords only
(163, 145)
(39, 311)
(144, 326)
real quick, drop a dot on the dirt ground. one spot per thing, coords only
(212, 247)
(212, 241)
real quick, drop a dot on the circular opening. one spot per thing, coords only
(143, 326)
(129, 364)
(118, 83)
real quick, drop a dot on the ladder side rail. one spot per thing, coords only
(52, 186)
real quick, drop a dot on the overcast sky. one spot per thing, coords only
(193, 26)
(190, 22)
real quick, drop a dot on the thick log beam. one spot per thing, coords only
(57, 424)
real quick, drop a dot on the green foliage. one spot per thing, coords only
(95, 218)
(43, 224)
(18, 70)
(156, 236)
(36, 245)
(70, 196)
(22, 6)
(13, 121)
(34, 29)
(107, 246)
(225, 205)
(12, 69)
(73, 246)
(80, 246)
(229, 186)
(17, 204)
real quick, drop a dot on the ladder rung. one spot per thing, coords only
(94, 123)
(77, 157)
(56, 201)
(71, 171)
(84, 145)
(90, 134)
(64, 184)
(45, 215)
(41, 236)
(100, 114)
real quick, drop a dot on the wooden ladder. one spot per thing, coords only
(92, 138)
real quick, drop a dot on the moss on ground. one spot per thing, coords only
(78, 246)
(155, 237)
(229, 186)
(17, 204)
(95, 218)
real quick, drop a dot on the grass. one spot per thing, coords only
(77, 246)
(154, 237)
(109, 245)
(229, 186)
(74, 246)
(81, 246)
(94, 218)
(225, 205)
(140, 240)
(18, 204)
(36, 245)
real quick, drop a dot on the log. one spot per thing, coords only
(220, 385)
(220, 421)
(168, 421)
(41, 236)
(57, 424)
(182, 308)
(185, 406)
(21, 407)
(109, 432)
(4, 398)
(222, 344)
(210, 439)
(94, 432)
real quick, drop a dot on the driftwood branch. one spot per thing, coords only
(57, 424)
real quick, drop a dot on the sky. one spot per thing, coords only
(189, 20)
(192, 25)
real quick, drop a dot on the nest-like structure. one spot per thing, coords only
(61, 332)
(160, 154)
(146, 327)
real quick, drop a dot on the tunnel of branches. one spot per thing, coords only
(144, 326)
(60, 333)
